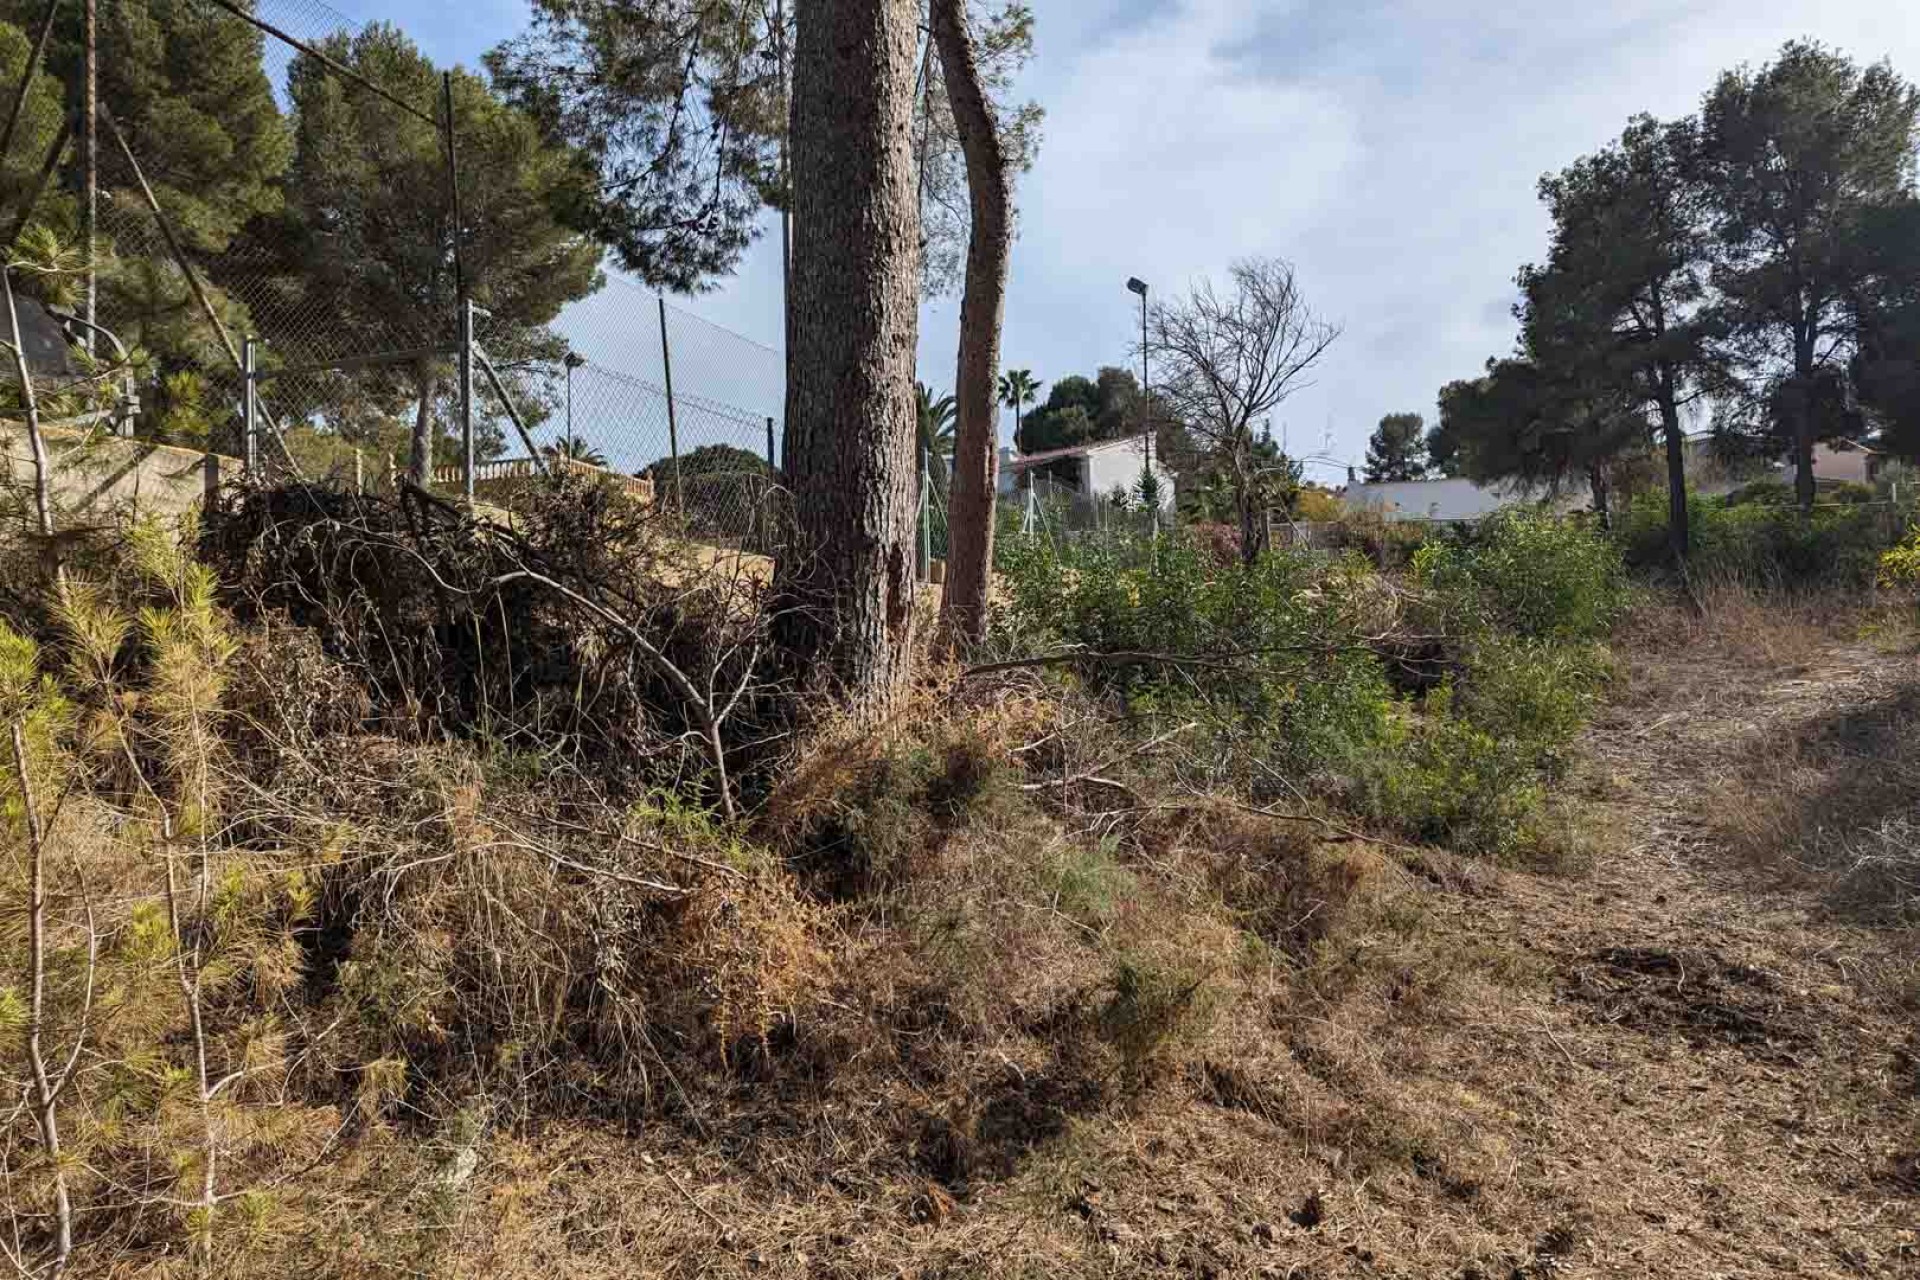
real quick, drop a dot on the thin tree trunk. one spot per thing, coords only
(1252, 528)
(1803, 478)
(1599, 484)
(36, 439)
(45, 1087)
(420, 461)
(963, 609)
(852, 327)
(1676, 440)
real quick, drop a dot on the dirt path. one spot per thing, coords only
(1735, 1087)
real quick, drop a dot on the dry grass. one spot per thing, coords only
(946, 1007)
(1812, 758)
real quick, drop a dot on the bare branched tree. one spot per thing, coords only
(1225, 362)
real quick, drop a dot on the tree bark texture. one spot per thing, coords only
(852, 329)
(976, 460)
(1676, 441)
(420, 454)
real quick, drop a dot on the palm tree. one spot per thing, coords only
(1018, 388)
(936, 419)
(574, 449)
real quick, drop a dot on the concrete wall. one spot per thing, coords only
(96, 474)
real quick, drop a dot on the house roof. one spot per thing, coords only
(1021, 461)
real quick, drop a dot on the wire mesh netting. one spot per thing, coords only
(285, 200)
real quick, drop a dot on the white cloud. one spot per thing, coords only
(1389, 149)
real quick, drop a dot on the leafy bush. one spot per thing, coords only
(1285, 691)
(1761, 544)
(1450, 781)
(1532, 695)
(1900, 564)
(1540, 577)
(1266, 658)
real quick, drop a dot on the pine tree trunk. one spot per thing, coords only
(852, 325)
(1803, 477)
(963, 609)
(420, 460)
(1677, 518)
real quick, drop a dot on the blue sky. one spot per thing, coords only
(1388, 148)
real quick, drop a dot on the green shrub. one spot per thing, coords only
(1449, 781)
(1277, 678)
(1530, 573)
(1287, 689)
(1530, 695)
(1900, 564)
(1763, 544)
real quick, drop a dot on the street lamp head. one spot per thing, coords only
(574, 359)
(1136, 285)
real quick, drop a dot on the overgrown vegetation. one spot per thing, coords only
(382, 866)
(1766, 545)
(1436, 706)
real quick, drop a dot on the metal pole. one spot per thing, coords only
(771, 464)
(90, 161)
(673, 422)
(569, 410)
(1146, 413)
(466, 399)
(462, 303)
(249, 367)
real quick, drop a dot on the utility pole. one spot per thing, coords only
(90, 162)
(1139, 286)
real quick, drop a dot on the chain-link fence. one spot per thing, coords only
(288, 235)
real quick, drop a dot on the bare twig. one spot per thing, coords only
(45, 1086)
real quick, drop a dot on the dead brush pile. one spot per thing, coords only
(580, 626)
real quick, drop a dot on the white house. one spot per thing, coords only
(1842, 461)
(1086, 470)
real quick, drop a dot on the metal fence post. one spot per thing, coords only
(249, 445)
(772, 466)
(673, 422)
(466, 398)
